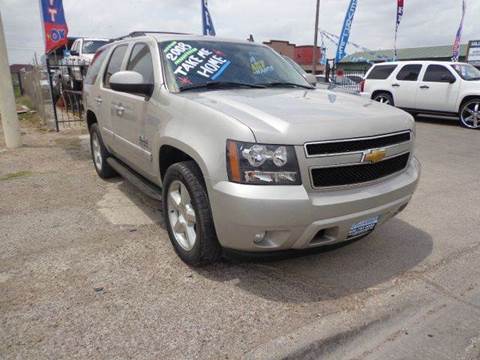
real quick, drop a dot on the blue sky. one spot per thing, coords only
(425, 22)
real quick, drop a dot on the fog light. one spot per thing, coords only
(259, 237)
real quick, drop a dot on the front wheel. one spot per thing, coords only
(470, 114)
(188, 216)
(100, 154)
(384, 98)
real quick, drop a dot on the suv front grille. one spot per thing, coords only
(356, 174)
(354, 145)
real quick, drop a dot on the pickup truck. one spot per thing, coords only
(73, 67)
(241, 149)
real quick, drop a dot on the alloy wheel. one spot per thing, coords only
(96, 150)
(470, 115)
(181, 215)
(383, 99)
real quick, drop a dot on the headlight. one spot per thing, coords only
(258, 164)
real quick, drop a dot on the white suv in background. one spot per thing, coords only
(428, 87)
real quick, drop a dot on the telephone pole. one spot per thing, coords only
(8, 108)
(315, 41)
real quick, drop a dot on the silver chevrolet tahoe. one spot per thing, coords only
(242, 150)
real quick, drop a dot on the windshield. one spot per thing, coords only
(467, 72)
(197, 64)
(91, 46)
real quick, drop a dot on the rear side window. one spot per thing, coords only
(141, 62)
(95, 67)
(438, 73)
(381, 72)
(409, 73)
(114, 65)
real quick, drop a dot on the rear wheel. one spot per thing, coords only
(188, 216)
(470, 114)
(384, 98)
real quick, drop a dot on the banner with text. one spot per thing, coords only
(208, 28)
(458, 38)
(400, 7)
(345, 34)
(54, 24)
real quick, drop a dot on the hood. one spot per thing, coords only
(294, 116)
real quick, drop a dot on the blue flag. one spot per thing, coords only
(458, 37)
(345, 35)
(208, 28)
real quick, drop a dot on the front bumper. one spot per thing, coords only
(267, 218)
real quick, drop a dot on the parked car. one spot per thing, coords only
(244, 153)
(428, 87)
(74, 66)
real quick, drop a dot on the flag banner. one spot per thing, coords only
(458, 38)
(345, 35)
(54, 24)
(208, 28)
(400, 6)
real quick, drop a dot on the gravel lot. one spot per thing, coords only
(87, 271)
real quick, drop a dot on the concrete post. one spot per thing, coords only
(8, 108)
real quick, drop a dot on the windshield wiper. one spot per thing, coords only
(221, 85)
(287, 84)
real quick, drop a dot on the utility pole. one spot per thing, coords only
(8, 108)
(315, 41)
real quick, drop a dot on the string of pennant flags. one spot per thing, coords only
(56, 29)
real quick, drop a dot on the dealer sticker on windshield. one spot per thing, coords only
(363, 227)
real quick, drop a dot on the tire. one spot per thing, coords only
(100, 154)
(185, 202)
(469, 115)
(384, 98)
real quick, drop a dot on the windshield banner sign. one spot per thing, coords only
(345, 35)
(54, 24)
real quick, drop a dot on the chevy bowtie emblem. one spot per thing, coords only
(374, 156)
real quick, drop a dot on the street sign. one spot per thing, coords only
(473, 53)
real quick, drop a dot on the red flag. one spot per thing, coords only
(54, 23)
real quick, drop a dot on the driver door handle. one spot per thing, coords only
(120, 110)
(424, 87)
(395, 85)
(98, 100)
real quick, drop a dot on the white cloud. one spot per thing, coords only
(425, 22)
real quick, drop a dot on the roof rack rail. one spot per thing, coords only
(143, 33)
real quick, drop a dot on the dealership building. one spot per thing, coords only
(302, 54)
(361, 61)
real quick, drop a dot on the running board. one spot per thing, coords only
(135, 179)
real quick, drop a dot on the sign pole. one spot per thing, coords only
(315, 41)
(8, 108)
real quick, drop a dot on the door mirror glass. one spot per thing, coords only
(130, 82)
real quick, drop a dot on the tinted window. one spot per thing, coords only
(95, 66)
(381, 72)
(91, 46)
(409, 73)
(115, 64)
(141, 62)
(438, 73)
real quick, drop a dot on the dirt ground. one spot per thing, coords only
(87, 270)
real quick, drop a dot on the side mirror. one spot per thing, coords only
(448, 78)
(311, 79)
(130, 82)
(74, 53)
